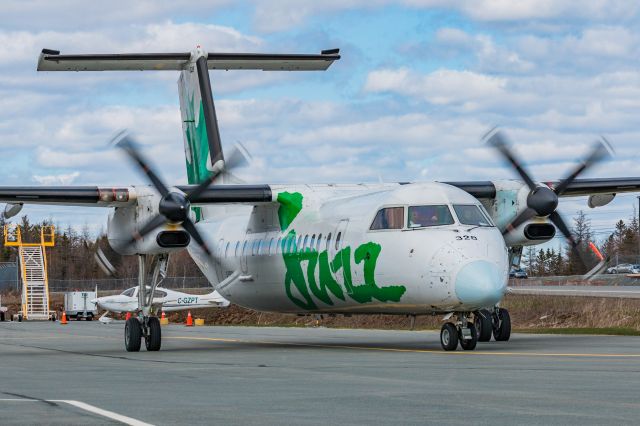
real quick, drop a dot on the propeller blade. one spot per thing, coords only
(562, 226)
(200, 188)
(104, 264)
(237, 157)
(600, 151)
(499, 142)
(193, 231)
(148, 227)
(125, 142)
(524, 216)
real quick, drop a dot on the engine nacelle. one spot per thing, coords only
(125, 221)
(530, 233)
(510, 200)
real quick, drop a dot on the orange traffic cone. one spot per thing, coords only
(126, 317)
(189, 320)
(163, 319)
(63, 320)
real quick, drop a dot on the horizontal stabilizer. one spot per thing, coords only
(52, 60)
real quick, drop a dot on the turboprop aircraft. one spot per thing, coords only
(411, 248)
(164, 299)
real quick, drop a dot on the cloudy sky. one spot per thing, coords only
(419, 83)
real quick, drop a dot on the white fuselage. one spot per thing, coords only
(169, 300)
(313, 251)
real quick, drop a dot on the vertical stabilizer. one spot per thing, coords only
(202, 146)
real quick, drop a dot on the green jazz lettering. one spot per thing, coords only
(311, 273)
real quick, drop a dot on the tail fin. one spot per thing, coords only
(199, 123)
(202, 146)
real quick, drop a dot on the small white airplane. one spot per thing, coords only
(164, 299)
(397, 248)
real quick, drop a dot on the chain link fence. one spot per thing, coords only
(119, 284)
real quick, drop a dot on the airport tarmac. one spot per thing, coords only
(81, 374)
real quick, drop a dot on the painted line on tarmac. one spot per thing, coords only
(430, 351)
(86, 407)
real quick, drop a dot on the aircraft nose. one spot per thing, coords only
(478, 283)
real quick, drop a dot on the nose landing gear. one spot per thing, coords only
(461, 331)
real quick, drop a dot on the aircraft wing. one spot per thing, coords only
(579, 187)
(626, 292)
(260, 193)
(120, 196)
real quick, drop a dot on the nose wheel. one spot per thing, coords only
(461, 332)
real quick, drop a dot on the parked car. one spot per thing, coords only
(624, 268)
(518, 273)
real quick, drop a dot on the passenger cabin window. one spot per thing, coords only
(469, 214)
(338, 240)
(237, 248)
(318, 243)
(388, 218)
(422, 216)
(328, 241)
(129, 292)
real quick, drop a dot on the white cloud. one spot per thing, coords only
(21, 46)
(440, 87)
(62, 179)
(287, 14)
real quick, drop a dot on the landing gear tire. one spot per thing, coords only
(469, 344)
(483, 325)
(502, 325)
(449, 337)
(153, 340)
(132, 335)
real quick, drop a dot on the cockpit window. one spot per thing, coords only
(420, 216)
(471, 215)
(128, 292)
(389, 218)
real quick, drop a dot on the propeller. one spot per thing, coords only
(542, 200)
(174, 206)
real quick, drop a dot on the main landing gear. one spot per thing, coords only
(467, 333)
(142, 324)
(496, 322)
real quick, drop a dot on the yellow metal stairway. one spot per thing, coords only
(33, 270)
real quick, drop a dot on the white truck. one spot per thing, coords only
(78, 305)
